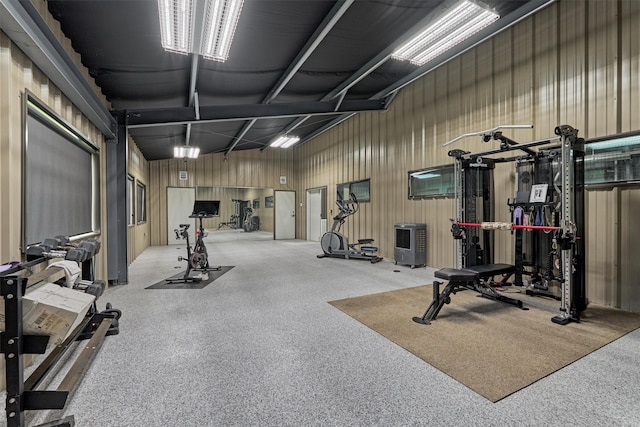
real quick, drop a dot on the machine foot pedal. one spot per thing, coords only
(421, 320)
(561, 320)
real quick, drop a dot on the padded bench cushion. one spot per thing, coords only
(453, 274)
(490, 270)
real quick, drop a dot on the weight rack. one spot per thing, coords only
(21, 395)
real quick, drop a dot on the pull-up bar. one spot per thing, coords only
(505, 226)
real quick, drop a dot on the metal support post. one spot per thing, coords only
(567, 136)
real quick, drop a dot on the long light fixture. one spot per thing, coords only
(461, 22)
(186, 152)
(177, 18)
(285, 141)
(220, 26)
(176, 31)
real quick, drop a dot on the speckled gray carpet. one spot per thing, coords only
(493, 348)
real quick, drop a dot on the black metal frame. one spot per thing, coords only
(198, 248)
(569, 239)
(21, 395)
(479, 280)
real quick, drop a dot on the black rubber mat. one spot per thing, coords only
(212, 275)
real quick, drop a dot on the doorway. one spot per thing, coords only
(285, 218)
(316, 213)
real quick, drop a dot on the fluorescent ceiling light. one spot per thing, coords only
(177, 26)
(220, 26)
(460, 23)
(285, 141)
(186, 151)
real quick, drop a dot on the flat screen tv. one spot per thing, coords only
(208, 207)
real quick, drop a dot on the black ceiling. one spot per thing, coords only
(297, 55)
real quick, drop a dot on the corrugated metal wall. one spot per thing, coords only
(138, 235)
(628, 283)
(18, 73)
(575, 62)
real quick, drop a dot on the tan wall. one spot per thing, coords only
(575, 62)
(138, 235)
(18, 73)
(247, 168)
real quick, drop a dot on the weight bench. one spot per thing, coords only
(477, 278)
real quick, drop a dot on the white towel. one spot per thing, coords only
(71, 270)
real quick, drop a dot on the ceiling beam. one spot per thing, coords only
(198, 30)
(523, 12)
(314, 41)
(24, 25)
(193, 94)
(341, 90)
(339, 9)
(220, 113)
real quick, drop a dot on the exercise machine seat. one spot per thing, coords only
(489, 270)
(455, 275)
(471, 278)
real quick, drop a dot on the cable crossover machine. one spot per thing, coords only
(547, 213)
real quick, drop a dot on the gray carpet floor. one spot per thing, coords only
(260, 346)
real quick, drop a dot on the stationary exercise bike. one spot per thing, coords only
(197, 257)
(335, 244)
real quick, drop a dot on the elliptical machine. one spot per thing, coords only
(197, 257)
(335, 244)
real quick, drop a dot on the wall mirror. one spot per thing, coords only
(244, 213)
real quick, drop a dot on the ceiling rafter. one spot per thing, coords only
(137, 118)
(338, 10)
(502, 24)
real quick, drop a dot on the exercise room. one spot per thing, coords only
(319, 212)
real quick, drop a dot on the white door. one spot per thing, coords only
(179, 207)
(314, 214)
(285, 210)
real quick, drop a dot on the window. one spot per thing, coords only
(612, 159)
(131, 201)
(268, 202)
(60, 177)
(256, 203)
(141, 198)
(360, 188)
(433, 182)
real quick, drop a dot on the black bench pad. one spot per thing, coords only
(453, 274)
(490, 270)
